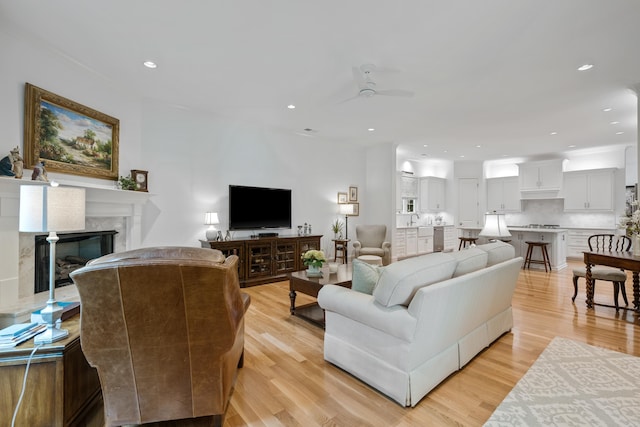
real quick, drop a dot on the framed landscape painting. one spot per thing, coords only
(69, 137)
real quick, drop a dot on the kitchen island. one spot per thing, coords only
(556, 237)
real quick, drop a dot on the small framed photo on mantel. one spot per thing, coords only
(141, 179)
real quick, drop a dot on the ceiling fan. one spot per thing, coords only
(363, 76)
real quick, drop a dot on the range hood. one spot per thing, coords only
(543, 194)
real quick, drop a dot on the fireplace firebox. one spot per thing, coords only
(73, 250)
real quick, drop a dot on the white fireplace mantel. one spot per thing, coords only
(101, 203)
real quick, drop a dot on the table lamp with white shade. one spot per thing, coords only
(211, 219)
(51, 209)
(495, 227)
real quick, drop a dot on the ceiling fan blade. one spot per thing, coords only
(395, 92)
(349, 99)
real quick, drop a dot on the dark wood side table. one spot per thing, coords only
(61, 389)
(299, 282)
(340, 250)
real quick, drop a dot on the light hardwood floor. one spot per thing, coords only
(286, 382)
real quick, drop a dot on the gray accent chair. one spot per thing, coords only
(370, 240)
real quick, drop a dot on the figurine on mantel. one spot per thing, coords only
(39, 173)
(12, 165)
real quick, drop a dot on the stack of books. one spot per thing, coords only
(13, 335)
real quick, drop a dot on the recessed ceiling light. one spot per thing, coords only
(477, 146)
(553, 133)
(291, 106)
(371, 129)
(606, 110)
(150, 64)
(425, 145)
(619, 133)
(572, 146)
(585, 67)
(462, 156)
(614, 123)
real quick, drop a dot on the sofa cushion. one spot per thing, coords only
(469, 260)
(365, 276)
(498, 252)
(400, 281)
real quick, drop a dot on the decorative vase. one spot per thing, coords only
(313, 271)
(636, 245)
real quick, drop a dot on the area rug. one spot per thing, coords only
(574, 384)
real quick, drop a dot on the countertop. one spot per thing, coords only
(525, 229)
(425, 226)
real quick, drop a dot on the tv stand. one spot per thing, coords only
(263, 235)
(266, 259)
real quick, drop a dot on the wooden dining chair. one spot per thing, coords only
(605, 242)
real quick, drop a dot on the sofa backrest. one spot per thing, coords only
(469, 260)
(498, 252)
(400, 281)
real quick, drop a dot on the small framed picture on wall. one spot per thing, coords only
(353, 194)
(342, 198)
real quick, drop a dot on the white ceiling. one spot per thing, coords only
(498, 74)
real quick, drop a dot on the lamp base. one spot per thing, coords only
(212, 234)
(52, 334)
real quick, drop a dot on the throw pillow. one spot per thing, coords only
(365, 276)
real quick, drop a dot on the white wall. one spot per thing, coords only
(191, 157)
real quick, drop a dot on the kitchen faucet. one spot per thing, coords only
(411, 219)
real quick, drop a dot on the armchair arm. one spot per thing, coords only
(386, 245)
(356, 248)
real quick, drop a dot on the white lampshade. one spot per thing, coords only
(495, 226)
(51, 208)
(346, 209)
(211, 218)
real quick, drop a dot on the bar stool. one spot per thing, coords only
(545, 255)
(465, 240)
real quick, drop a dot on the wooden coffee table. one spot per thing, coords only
(299, 282)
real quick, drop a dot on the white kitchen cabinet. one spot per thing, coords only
(541, 176)
(450, 238)
(412, 241)
(425, 240)
(399, 246)
(578, 240)
(432, 194)
(591, 190)
(503, 194)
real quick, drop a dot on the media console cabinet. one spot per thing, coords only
(266, 259)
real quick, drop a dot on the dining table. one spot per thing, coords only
(622, 260)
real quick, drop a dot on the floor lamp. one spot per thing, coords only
(51, 209)
(346, 209)
(495, 227)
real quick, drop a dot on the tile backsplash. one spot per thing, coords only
(551, 211)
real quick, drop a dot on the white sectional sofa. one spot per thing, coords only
(426, 318)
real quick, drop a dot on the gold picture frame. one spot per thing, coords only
(353, 194)
(342, 198)
(69, 137)
(356, 209)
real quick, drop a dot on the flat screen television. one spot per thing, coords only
(252, 208)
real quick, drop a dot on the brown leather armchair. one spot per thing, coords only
(164, 327)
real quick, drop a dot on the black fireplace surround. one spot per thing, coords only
(73, 250)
